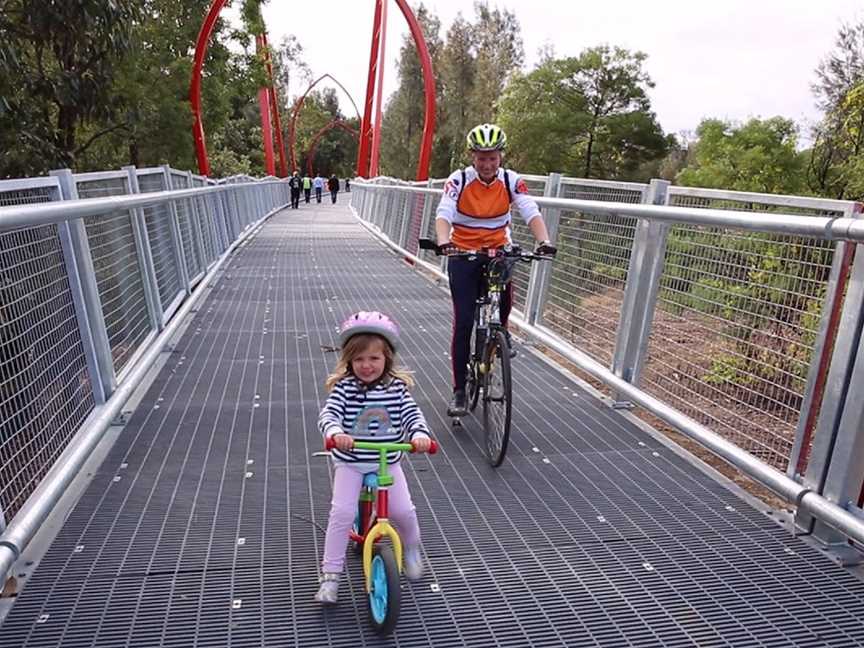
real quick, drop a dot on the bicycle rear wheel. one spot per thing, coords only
(497, 398)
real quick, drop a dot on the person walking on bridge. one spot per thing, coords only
(307, 188)
(474, 213)
(294, 184)
(318, 184)
(333, 185)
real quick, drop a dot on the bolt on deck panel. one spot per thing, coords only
(204, 524)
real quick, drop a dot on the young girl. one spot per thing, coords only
(368, 401)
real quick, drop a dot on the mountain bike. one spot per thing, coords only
(489, 375)
(382, 561)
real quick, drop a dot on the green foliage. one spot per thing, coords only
(759, 156)
(59, 60)
(95, 85)
(763, 292)
(587, 116)
(404, 117)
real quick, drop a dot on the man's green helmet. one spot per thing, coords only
(487, 137)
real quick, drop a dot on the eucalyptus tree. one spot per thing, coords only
(835, 169)
(59, 61)
(588, 115)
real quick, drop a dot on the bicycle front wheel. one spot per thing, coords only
(385, 595)
(497, 398)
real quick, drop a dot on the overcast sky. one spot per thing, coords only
(734, 60)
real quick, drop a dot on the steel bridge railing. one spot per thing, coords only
(735, 316)
(95, 270)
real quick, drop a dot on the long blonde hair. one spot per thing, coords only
(356, 345)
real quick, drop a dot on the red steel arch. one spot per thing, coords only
(292, 127)
(428, 84)
(333, 123)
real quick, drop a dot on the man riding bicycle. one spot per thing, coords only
(474, 213)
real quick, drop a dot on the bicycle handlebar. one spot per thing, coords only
(382, 446)
(514, 252)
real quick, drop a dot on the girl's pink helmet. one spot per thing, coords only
(370, 322)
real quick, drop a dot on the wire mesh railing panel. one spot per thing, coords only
(26, 196)
(734, 332)
(187, 233)
(151, 182)
(157, 219)
(586, 287)
(45, 391)
(158, 222)
(573, 189)
(118, 278)
(744, 203)
(179, 180)
(102, 188)
(205, 225)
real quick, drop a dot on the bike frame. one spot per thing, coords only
(378, 496)
(382, 527)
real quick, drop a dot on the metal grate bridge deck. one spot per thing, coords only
(203, 525)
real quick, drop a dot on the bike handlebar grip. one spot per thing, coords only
(329, 443)
(433, 447)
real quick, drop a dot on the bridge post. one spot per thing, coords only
(845, 471)
(145, 255)
(647, 259)
(426, 216)
(538, 282)
(85, 296)
(835, 466)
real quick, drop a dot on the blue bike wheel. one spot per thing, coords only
(384, 597)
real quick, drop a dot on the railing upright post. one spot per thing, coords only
(145, 256)
(538, 282)
(820, 363)
(835, 445)
(85, 296)
(647, 259)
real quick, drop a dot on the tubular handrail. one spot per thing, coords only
(806, 499)
(818, 227)
(58, 212)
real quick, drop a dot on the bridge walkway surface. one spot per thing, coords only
(204, 524)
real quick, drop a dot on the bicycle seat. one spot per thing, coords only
(370, 480)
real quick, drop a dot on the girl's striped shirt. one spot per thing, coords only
(385, 412)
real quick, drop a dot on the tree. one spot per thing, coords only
(404, 116)
(152, 90)
(456, 75)
(834, 167)
(59, 65)
(499, 56)
(587, 115)
(759, 155)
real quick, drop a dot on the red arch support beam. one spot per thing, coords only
(334, 123)
(292, 127)
(195, 87)
(203, 41)
(363, 155)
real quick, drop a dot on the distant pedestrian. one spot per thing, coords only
(307, 188)
(294, 184)
(333, 186)
(347, 185)
(318, 183)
